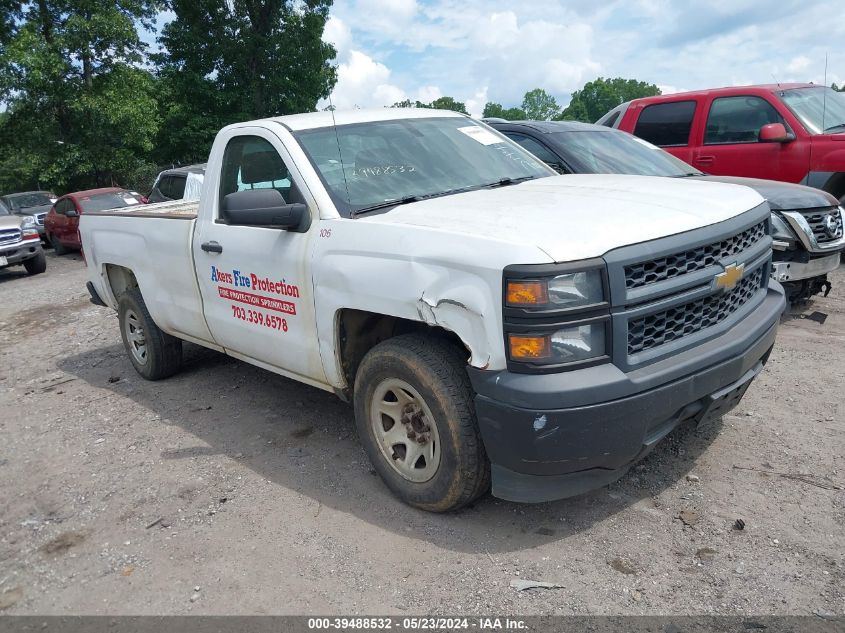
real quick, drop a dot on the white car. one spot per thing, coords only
(489, 320)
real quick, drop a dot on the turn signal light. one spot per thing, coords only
(530, 348)
(527, 293)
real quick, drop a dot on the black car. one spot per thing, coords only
(179, 183)
(807, 223)
(34, 203)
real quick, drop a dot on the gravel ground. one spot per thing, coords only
(229, 490)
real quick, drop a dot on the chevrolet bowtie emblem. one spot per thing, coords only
(730, 278)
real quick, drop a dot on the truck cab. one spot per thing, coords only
(788, 132)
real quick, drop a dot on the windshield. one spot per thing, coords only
(34, 199)
(611, 152)
(103, 201)
(3, 209)
(397, 160)
(821, 110)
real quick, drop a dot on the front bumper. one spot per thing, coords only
(20, 252)
(786, 271)
(553, 436)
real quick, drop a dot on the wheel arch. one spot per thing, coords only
(356, 332)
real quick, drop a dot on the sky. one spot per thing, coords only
(491, 50)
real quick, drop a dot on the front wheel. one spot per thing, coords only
(154, 354)
(416, 420)
(36, 265)
(58, 247)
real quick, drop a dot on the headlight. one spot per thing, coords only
(563, 292)
(569, 344)
(28, 222)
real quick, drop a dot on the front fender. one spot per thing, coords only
(433, 277)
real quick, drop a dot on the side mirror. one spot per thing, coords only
(775, 133)
(73, 213)
(265, 207)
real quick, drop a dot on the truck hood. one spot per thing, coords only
(784, 196)
(579, 216)
(10, 222)
(34, 210)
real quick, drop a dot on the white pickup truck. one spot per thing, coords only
(492, 322)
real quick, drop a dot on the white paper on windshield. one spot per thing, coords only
(53, 200)
(485, 137)
(130, 200)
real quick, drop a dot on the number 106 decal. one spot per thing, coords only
(260, 318)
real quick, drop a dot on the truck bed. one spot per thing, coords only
(177, 209)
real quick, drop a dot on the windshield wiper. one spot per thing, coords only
(386, 204)
(834, 127)
(689, 174)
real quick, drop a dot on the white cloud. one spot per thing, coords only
(496, 50)
(363, 82)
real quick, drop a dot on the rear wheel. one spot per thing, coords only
(58, 247)
(154, 354)
(415, 416)
(36, 265)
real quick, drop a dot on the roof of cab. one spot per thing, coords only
(313, 120)
(726, 90)
(549, 127)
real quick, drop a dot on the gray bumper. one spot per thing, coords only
(20, 252)
(557, 435)
(785, 272)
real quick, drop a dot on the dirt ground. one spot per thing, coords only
(229, 490)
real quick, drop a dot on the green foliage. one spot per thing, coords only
(837, 88)
(496, 110)
(238, 60)
(601, 95)
(441, 103)
(80, 111)
(539, 105)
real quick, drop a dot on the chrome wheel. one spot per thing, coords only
(135, 337)
(404, 430)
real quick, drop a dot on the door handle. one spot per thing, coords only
(705, 160)
(211, 247)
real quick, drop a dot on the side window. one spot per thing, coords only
(536, 148)
(63, 206)
(666, 124)
(177, 188)
(738, 120)
(611, 120)
(251, 162)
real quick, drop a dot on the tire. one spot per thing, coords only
(154, 354)
(450, 468)
(36, 265)
(58, 247)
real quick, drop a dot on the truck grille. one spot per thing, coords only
(39, 218)
(818, 221)
(10, 236)
(654, 270)
(656, 329)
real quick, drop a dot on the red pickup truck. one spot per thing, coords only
(789, 132)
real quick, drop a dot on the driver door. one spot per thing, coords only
(256, 281)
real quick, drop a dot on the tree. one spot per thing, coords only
(837, 88)
(237, 60)
(497, 111)
(601, 95)
(80, 111)
(441, 103)
(448, 103)
(539, 105)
